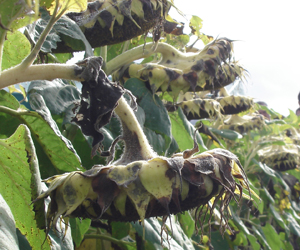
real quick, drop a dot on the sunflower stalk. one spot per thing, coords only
(139, 52)
(25, 71)
(208, 69)
(140, 184)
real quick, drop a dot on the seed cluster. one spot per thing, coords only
(142, 189)
(209, 69)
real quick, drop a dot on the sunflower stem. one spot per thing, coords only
(143, 51)
(137, 146)
(49, 72)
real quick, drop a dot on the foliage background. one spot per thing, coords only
(38, 139)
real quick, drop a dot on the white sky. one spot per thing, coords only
(268, 33)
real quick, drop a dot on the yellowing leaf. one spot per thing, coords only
(65, 5)
(21, 90)
(13, 89)
(196, 25)
(16, 48)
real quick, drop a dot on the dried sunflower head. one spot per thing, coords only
(280, 157)
(243, 124)
(143, 189)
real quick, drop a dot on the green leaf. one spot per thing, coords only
(271, 237)
(152, 232)
(293, 224)
(259, 203)
(240, 224)
(274, 115)
(152, 235)
(120, 229)
(253, 241)
(61, 241)
(178, 42)
(16, 48)
(278, 219)
(227, 133)
(196, 25)
(219, 242)
(78, 229)
(58, 96)
(268, 196)
(286, 245)
(23, 241)
(187, 223)
(8, 236)
(183, 131)
(275, 121)
(61, 57)
(117, 49)
(240, 240)
(178, 234)
(157, 141)
(83, 145)
(280, 143)
(172, 148)
(265, 168)
(67, 5)
(35, 30)
(47, 3)
(73, 36)
(10, 12)
(18, 187)
(64, 29)
(292, 118)
(261, 238)
(58, 150)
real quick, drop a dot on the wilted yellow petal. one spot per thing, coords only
(153, 177)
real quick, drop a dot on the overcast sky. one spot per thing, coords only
(268, 34)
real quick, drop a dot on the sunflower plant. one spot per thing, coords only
(138, 145)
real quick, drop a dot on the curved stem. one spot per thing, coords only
(125, 46)
(137, 146)
(198, 245)
(49, 72)
(143, 51)
(18, 113)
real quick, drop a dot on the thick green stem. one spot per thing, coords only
(143, 51)
(18, 113)
(137, 146)
(103, 53)
(125, 46)
(2, 40)
(49, 72)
